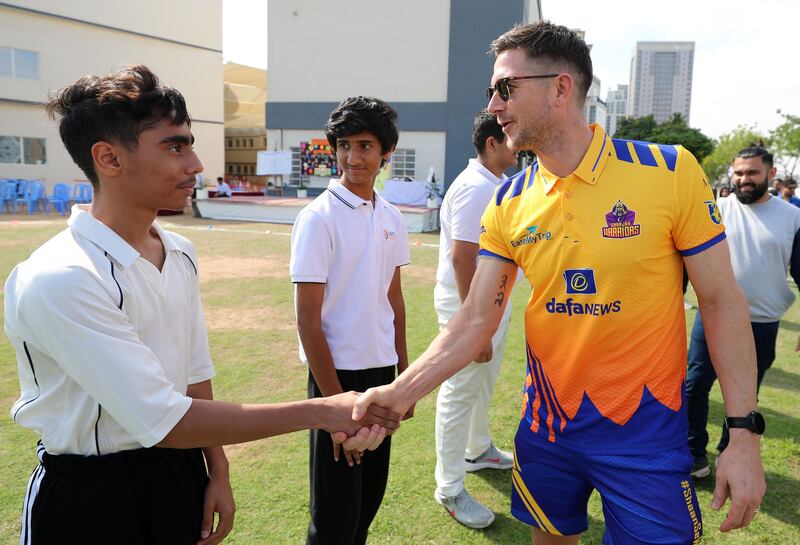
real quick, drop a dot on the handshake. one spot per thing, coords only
(359, 422)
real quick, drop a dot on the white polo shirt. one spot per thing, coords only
(106, 343)
(341, 240)
(460, 215)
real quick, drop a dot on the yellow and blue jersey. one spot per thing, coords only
(605, 326)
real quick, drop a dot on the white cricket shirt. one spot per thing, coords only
(342, 241)
(106, 343)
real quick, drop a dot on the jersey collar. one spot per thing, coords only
(592, 164)
(350, 199)
(86, 225)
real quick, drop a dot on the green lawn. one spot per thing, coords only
(248, 302)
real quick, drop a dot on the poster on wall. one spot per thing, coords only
(273, 162)
(317, 158)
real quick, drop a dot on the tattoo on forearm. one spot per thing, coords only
(501, 295)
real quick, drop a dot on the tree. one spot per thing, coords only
(672, 131)
(785, 140)
(717, 164)
(636, 128)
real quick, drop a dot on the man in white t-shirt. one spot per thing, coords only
(347, 249)
(223, 189)
(764, 239)
(112, 352)
(463, 441)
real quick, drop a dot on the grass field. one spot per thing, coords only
(248, 302)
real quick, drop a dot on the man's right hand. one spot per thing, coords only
(339, 410)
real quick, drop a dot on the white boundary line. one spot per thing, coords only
(266, 232)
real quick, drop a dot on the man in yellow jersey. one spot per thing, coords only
(600, 227)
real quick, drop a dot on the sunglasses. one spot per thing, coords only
(501, 86)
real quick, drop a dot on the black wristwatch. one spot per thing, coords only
(753, 422)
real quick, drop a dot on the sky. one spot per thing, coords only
(746, 53)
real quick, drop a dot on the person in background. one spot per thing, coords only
(223, 189)
(463, 440)
(788, 192)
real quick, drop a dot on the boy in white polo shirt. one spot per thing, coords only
(112, 351)
(347, 249)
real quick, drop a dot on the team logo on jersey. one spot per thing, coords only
(621, 222)
(388, 235)
(532, 237)
(580, 281)
(713, 211)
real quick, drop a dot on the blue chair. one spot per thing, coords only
(33, 196)
(59, 199)
(82, 194)
(8, 194)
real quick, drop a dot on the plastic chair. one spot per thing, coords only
(34, 194)
(8, 193)
(82, 194)
(59, 199)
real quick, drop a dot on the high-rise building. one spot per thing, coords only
(661, 80)
(616, 107)
(594, 109)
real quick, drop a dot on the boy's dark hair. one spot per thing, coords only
(757, 150)
(363, 114)
(484, 126)
(552, 43)
(113, 108)
(219, 178)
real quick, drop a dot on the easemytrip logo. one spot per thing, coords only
(532, 237)
(581, 282)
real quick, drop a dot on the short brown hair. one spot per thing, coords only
(114, 108)
(554, 43)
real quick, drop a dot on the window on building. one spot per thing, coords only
(230, 143)
(250, 141)
(19, 63)
(238, 169)
(404, 162)
(237, 142)
(16, 150)
(230, 169)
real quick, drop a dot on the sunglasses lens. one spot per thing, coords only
(502, 89)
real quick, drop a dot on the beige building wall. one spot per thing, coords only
(95, 37)
(418, 27)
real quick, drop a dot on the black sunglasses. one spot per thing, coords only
(502, 89)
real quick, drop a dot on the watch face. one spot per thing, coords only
(758, 422)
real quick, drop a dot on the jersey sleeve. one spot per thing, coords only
(312, 250)
(491, 233)
(71, 317)
(466, 208)
(698, 224)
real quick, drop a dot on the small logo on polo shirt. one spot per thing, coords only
(713, 211)
(621, 222)
(388, 235)
(532, 237)
(580, 281)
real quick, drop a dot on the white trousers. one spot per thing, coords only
(462, 407)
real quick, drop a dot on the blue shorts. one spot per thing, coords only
(647, 498)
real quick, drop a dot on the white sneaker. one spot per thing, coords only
(466, 510)
(493, 458)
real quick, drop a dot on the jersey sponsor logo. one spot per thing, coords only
(388, 235)
(713, 211)
(571, 308)
(532, 237)
(621, 222)
(483, 229)
(580, 281)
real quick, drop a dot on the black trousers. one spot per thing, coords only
(345, 499)
(141, 497)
